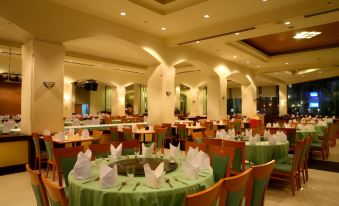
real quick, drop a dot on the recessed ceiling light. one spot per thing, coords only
(206, 16)
(258, 66)
(237, 33)
(306, 34)
(197, 42)
(235, 57)
(264, 0)
(286, 63)
(320, 72)
(123, 13)
(247, 62)
(163, 28)
(287, 22)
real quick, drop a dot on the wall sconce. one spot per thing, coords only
(168, 93)
(49, 85)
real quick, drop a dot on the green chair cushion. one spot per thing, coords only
(67, 164)
(259, 186)
(284, 167)
(316, 144)
(219, 165)
(235, 198)
(128, 151)
(237, 160)
(197, 140)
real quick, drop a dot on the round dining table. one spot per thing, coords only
(263, 152)
(89, 193)
(302, 134)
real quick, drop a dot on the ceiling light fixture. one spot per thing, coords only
(287, 22)
(247, 62)
(197, 42)
(206, 16)
(258, 66)
(122, 13)
(237, 33)
(286, 63)
(163, 28)
(306, 34)
(264, 0)
(234, 57)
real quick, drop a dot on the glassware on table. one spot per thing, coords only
(136, 151)
(130, 170)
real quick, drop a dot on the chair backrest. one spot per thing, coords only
(197, 134)
(128, 147)
(297, 154)
(127, 133)
(114, 133)
(49, 147)
(212, 141)
(56, 194)
(239, 154)
(97, 133)
(181, 131)
(209, 125)
(36, 143)
(100, 150)
(234, 188)
(65, 159)
(209, 133)
(201, 146)
(207, 197)
(255, 192)
(168, 127)
(221, 161)
(38, 187)
(160, 135)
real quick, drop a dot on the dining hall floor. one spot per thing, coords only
(321, 189)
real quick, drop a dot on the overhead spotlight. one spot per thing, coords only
(206, 16)
(287, 23)
(197, 42)
(286, 63)
(235, 57)
(122, 13)
(247, 62)
(163, 28)
(237, 33)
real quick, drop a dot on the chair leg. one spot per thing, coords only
(293, 185)
(35, 163)
(47, 169)
(323, 154)
(53, 172)
(40, 165)
(303, 173)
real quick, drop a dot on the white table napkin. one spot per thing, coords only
(231, 132)
(61, 136)
(220, 133)
(268, 125)
(154, 178)
(147, 151)
(46, 132)
(174, 152)
(83, 165)
(116, 152)
(202, 160)
(272, 139)
(191, 171)
(85, 133)
(281, 137)
(192, 153)
(252, 140)
(71, 132)
(108, 176)
(248, 132)
(267, 134)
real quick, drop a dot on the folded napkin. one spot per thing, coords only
(272, 140)
(108, 176)
(275, 125)
(46, 132)
(150, 128)
(134, 128)
(198, 124)
(202, 160)
(174, 152)
(220, 133)
(116, 152)
(287, 125)
(76, 122)
(120, 127)
(85, 133)
(147, 151)
(268, 125)
(83, 165)
(248, 132)
(191, 171)
(192, 153)
(8, 126)
(252, 140)
(267, 134)
(154, 178)
(281, 137)
(61, 136)
(71, 132)
(231, 132)
(232, 120)
(289, 121)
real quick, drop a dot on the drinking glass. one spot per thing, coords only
(130, 170)
(136, 151)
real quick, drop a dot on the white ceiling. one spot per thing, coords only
(184, 21)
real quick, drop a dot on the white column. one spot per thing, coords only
(177, 97)
(282, 99)
(223, 98)
(213, 99)
(118, 101)
(68, 88)
(136, 103)
(161, 95)
(249, 100)
(194, 107)
(42, 108)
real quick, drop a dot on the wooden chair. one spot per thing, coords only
(39, 156)
(321, 145)
(97, 134)
(65, 159)
(287, 171)
(207, 197)
(221, 161)
(212, 141)
(209, 125)
(238, 165)
(209, 133)
(38, 187)
(197, 135)
(182, 133)
(201, 146)
(160, 135)
(127, 133)
(50, 160)
(114, 133)
(55, 193)
(168, 127)
(100, 150)
(234, 188)
(257, 185)
(303, 166)
(128, 147)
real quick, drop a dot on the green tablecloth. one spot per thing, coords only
(303, 134)
(263, 152)
(90, 194)
(320, 130)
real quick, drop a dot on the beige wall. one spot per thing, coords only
(268, 91)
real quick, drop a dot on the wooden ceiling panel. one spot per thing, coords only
(284, 43)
